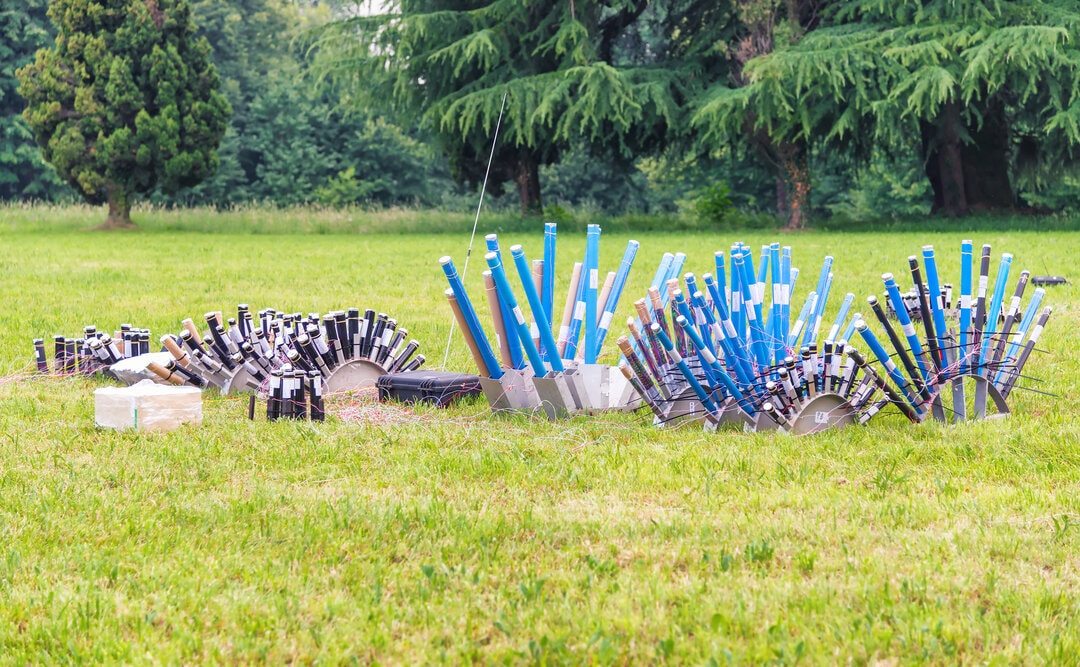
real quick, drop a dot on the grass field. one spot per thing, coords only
(428, 536)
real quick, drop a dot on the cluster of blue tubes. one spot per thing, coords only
(736, 326)
(587, 329)
(977, 346)
(729, 332)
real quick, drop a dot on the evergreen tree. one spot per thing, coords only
(250, 41)
(446, 65)
(24, 28)
(126, 101)
(984, 91)
(760, 27)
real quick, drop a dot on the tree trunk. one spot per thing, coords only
(795, 172)
(986, 161)
(782, 197)
(528, 183)
(945, 163)
(968, 176)
(119, 208)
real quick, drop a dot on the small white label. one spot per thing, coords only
(675, 356)
(534, 331)
(594, 276)
(564, 333)
(890, 366)
(1035, 333)
(605, 320)
(909, 329)
(579, 310)
(983, 280)
(821, 417)
(965, 301)
(518, 315)
(778, 294)
(708, 357)
(1014, 306)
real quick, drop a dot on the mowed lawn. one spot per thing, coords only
(423, 536)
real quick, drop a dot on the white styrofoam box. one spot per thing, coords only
(147, 405)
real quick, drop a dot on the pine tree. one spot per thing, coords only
(760, 27)
(446, 64)
(24, 28)
(126, 101)
(985, 91)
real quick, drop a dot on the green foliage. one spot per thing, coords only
(294, 147)
(880, 187)
(341, 190)
(886, 75)
(250, 41)
(557, 214)
(24, 28)
(287, 144)
(712, 204)
(126, 101)
(674, 180)
(447, 66)
(580, 180)
(1061, 194)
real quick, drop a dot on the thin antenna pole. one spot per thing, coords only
(476, 221)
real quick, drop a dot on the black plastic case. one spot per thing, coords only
(438, 387)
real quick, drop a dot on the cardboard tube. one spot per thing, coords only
(496, 316)
(568, 309)
(194, 331)
(654, 299)
(672, 286)
(170, 344)
(538, 283)
(632, 359)
(605, 293)
(643, 312)
(163, 373)
(538, 276)
(464, 326)
(601, 301)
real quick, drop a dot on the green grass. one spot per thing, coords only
(455, 536)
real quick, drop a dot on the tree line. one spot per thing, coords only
(797, 107)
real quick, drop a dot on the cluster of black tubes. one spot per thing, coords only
(95, 351)
(294, 394)
(294, 354)
(912, 300)
(799, 382)
(289, 353)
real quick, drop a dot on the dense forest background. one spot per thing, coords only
(755, 106)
